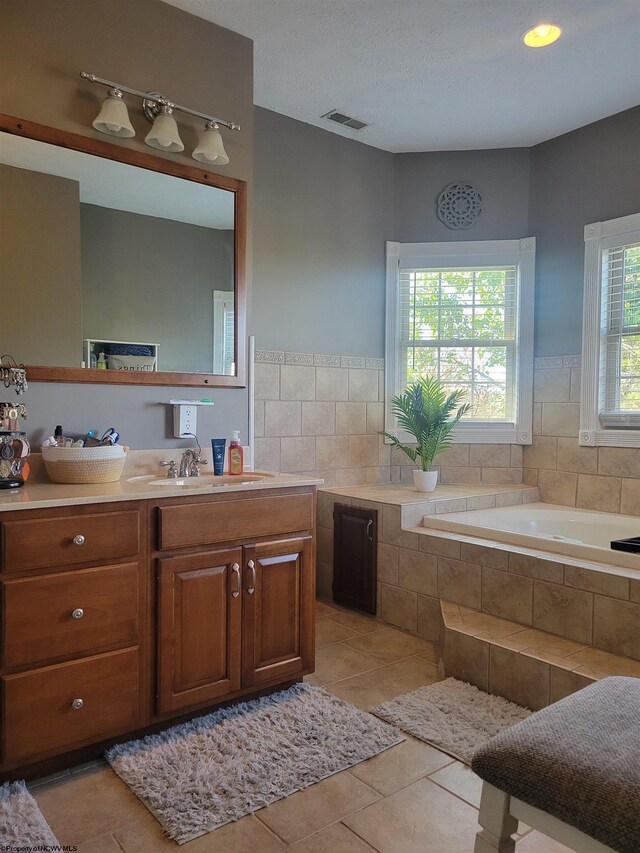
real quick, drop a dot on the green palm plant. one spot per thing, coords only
(427, 412)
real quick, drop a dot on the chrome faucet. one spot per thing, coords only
(191, 461)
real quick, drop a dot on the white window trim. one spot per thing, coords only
(470, 253)
(591, 432)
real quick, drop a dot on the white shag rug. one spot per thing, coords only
(451, 715)
(200, 775)
(22, 825)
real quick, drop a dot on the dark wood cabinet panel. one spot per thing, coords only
(278, 629)
(355, 536)
(199, 629)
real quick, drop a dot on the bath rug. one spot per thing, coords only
(200, 775)
(22, 825)
(451, 715)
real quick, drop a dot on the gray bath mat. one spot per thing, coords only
(200, 775)
(22, 826)
(452, 716)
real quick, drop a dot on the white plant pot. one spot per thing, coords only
(425, 481)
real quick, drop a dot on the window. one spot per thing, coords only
(223, 332)
(464, 312)
(610, 412)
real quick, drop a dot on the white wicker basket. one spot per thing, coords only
(84, 464)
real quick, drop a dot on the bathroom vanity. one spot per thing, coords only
(124, 609)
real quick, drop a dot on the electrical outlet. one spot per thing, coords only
(185, 420)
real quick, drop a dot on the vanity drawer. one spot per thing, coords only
(69, 613)
(209, 523)
(43, 542)
(57, 708)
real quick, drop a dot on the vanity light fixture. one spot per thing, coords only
(542, 35)
(210, 147)
(113, 119)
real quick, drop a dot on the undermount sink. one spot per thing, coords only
(202, 482)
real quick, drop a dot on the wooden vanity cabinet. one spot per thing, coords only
(239, 618)
(74, 584)
(116, 618)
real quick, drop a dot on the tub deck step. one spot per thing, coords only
(530, 667)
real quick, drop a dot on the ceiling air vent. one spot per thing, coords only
(344, 120)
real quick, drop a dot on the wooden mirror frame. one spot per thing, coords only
(87, 145)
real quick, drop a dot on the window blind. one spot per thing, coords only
(619, 377)
(460, 325)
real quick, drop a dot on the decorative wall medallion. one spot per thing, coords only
(459, 206)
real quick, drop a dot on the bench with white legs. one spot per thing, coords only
(571, 770)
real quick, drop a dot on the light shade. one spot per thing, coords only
(210, 148)
(164, 132)
(542, 35)
(113, 117)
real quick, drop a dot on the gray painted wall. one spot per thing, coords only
(44, 47)
(151, 279)
(588, 175)
(501, 177)
(323, 210)
(40, 273)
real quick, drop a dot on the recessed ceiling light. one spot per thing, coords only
(542, 35)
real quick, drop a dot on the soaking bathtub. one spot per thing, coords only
(574, 534)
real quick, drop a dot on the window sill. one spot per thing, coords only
(610, 438)
(479, 434)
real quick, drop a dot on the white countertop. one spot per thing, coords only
(40, 495)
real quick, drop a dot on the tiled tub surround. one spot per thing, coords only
(600, 478)
(324, 414)
(409, 586)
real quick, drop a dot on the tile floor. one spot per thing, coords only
(411, 798)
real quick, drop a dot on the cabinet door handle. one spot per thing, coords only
(369, 523)
(235, 568)
(252, 587)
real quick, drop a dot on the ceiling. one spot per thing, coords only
(433, 75)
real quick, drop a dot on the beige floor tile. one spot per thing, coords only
(432, 653)
(328, 632)
(103, 844)
(84, 806)
(324, 608)
(536, 842)
(337, 661)
(336, 838)
(356, 621)
(460, 780)
(406, 675)
(308, 811)
(248, 833)
(400, 766)
(422, 817)
(361, 691)
(388, 645)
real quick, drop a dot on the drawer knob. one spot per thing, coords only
(78, 613)
(77, 704)
(79, 539)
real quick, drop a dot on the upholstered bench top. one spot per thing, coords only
(578, 760)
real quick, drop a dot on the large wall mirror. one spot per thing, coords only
(118, 266)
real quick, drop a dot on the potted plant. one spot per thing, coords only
(427, 412)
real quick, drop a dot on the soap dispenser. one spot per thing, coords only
(236, 454)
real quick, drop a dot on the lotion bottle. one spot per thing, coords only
(236, 454)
